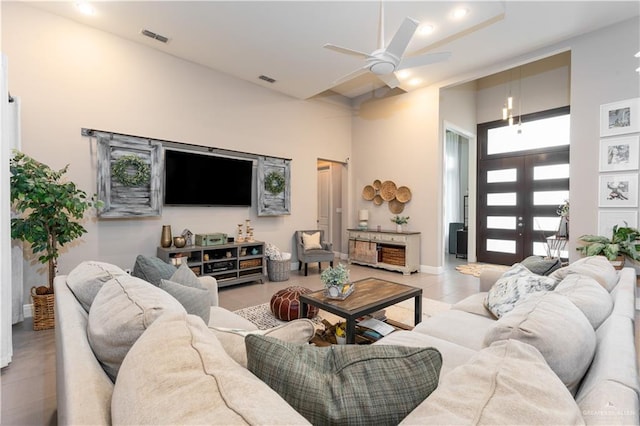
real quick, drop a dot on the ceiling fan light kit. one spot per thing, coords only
(386, 61)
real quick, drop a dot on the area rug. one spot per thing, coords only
(476, 269)
(402, 312)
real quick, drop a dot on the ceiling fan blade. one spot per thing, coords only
(418, 61)
(351, 75)
(402, 37)
(345, 50)
(390, 80)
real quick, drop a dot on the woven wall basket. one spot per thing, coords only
(403, 194)
(368, 192)
(396, 206)
(388, 190)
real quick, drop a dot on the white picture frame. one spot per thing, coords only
(620, 153)
(617, 118)
(618, 190)
(607, 219)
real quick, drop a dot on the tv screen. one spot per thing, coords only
(193, 179)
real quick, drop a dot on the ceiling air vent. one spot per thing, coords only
(154, 36)
(267, 79)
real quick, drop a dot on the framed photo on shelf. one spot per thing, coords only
(607, 219)
(617, 190)
(619, 118)
(619, 153)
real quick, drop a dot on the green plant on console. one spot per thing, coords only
(49, 209)
(624, 241)
(400, 220)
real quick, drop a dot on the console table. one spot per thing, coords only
(229, 264)
(395, 251)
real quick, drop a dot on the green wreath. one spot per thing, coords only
(274, 182)
(130, 170)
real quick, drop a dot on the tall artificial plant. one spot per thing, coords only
(49, 209)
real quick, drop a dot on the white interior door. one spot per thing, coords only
(324, 202)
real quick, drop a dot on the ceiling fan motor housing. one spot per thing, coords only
(382, 63)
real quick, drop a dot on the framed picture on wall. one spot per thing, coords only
(619, 118)
(619, 153)
(607, 219)
(617, 190)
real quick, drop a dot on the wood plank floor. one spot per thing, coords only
(28, 384)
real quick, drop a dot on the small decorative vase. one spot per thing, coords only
(398, 227)
(341, 340)
(165, 238)
(179, 242)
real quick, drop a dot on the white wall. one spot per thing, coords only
(602, 71)
(70, 76)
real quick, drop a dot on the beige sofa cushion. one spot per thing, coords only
(232, 340)
(508, 383)
(596, 267)
(589, 296)
(122, 310)
(474, 304)
(346, 384)
(559, 330)
(624, 294)
(458, 327)
(177, 373)
(86, 280)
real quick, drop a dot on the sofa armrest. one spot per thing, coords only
(210, 284)
(488, 277)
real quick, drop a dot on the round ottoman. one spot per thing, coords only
(285, 304)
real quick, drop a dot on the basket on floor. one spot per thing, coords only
(43, 313)
(278, 270)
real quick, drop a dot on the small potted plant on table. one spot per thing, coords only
(399, 221)
(336, 282)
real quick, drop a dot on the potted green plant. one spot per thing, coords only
(399, 221)
(49, 209)
(336, 282)
(623, 242)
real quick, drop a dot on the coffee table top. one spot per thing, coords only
(369, 295)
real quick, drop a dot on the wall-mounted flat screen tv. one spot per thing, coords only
(194, 179)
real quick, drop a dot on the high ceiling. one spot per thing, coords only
(284, 39)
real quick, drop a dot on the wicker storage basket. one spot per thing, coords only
(43, 313)
(278, 270)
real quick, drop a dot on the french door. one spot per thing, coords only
(520, 186)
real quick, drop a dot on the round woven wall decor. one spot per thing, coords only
(368, 192)
(388, 190)
(377, 184)
(377, 200)
(396, 206)
(403, 194)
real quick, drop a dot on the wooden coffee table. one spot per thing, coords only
(370, 295)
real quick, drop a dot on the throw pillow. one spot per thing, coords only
(122, 310)
(185, 276)
(541, 266)
(514, 285)
(596, 267)
(346, 384)
(177, 373)
(86, 280)
(553, 325)
(152, 269)
(589, 296)
(311, 241)
(195, 301)
(508, 383)
(232, 340)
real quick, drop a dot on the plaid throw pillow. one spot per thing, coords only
(350, 384)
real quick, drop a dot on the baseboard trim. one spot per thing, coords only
(435, 270)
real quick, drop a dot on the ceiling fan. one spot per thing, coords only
(384, 62)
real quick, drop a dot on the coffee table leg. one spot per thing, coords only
(351, 331)
(418, 311)
(304, 310)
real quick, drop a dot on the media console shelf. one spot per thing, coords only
(229, 264)
(395, 251)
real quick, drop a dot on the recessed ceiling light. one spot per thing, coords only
(85, 8)
(415, 81)
(459, 13)
(425, 29)
(637, 55)
(403, 74)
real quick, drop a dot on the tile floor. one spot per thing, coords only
(28, 384)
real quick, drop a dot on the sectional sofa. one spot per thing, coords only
(565, 356)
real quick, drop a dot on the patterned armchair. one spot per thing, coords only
(312, 247)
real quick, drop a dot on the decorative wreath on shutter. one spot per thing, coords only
(123, 167)
(274, 182)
